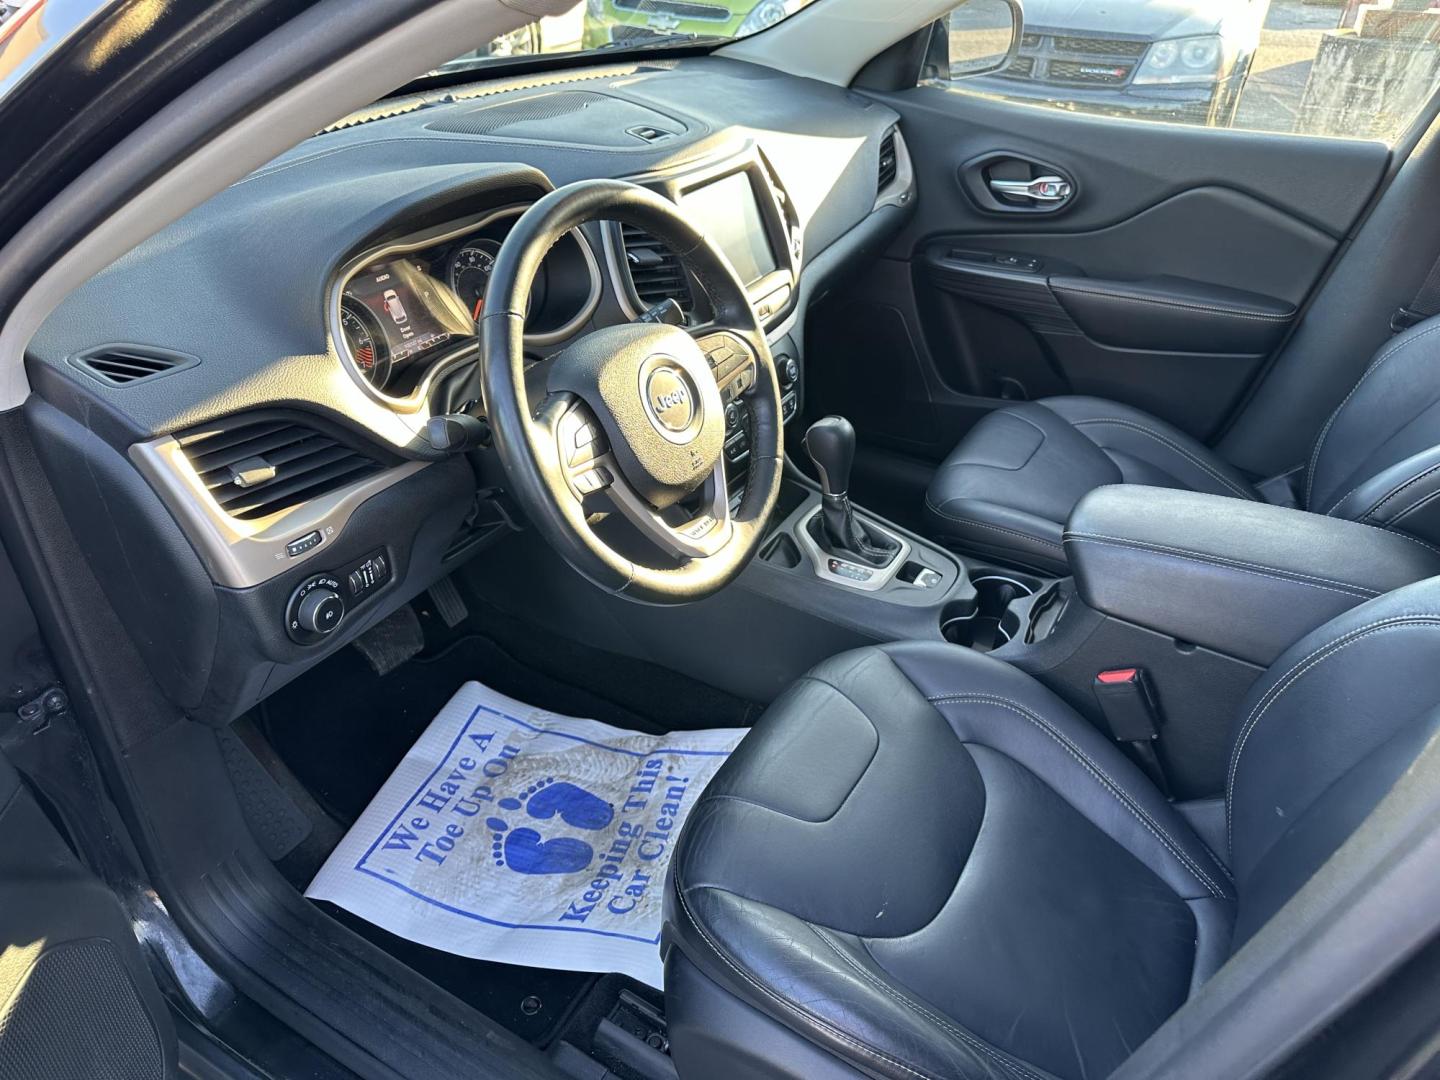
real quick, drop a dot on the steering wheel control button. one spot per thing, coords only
(593, 480)
(321, 611)
(303, 544)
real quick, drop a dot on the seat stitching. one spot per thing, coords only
(1255, 569)
(1320, 442)
(803, 1014)
(1090, 766)
(1288, 680)
(1394, 491)
(969, 1039)
(1209, 309)
(1412, 539)
(1186, 454)
(1419, 504)
(994, 528)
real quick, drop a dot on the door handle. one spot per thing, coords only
(1051, 190)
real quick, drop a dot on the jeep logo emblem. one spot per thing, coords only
(669, 399)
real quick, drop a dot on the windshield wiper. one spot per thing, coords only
(687, 37)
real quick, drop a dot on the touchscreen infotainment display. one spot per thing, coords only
(727, 213)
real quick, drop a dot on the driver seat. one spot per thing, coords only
(923, 864)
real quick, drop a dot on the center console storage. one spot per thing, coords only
(1244, 578)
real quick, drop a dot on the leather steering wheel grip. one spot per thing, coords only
(524, 434)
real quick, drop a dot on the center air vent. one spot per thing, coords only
(889, 163)
(258, 467)
(654, 270)
(120, 365)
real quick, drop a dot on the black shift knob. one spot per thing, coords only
(830, 442)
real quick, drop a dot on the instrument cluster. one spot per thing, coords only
(406, 308)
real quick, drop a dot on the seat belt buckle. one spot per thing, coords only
(1404, 319)
(1128, 704)
(1133, 716)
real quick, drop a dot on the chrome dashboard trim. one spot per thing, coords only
(819, 560)
(416, 399)
(900, 190)
(242, 554)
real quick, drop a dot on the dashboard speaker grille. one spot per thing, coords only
(889, 163)
(121, 365)
(654, 270)
(256, 467)
(491, 118)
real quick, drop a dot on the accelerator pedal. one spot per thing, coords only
(445, 598)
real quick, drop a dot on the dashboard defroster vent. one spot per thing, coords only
(121, 365)
(654, 270)
(256, 467)
(889, 163)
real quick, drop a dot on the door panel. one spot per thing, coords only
(76, 996)
(1173, 265)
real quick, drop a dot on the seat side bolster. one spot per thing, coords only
(1404, 498)
(1133, 433)
(810, 980)
(993, 704)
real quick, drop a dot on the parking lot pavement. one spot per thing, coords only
(1288, 44)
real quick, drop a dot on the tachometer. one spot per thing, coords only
(365, 342)
(470, 270)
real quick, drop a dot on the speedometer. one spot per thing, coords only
(365, 342)
(470, 270)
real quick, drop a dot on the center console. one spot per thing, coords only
(1179, 601)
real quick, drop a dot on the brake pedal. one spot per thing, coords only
(445, 598)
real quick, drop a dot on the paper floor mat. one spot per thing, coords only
(512, 834)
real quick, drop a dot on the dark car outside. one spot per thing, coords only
(1152, 59)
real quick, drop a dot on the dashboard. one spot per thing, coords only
(234, 414)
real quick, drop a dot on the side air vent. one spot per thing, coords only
(121, 365)
(889, 163)
(258, 467)
(654, 270)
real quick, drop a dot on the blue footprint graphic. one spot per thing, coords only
(524, 850)
(576, 806)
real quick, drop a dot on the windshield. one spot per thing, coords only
(595, 25)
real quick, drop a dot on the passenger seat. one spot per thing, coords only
(1007, 489)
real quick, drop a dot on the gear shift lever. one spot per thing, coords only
(830, 442)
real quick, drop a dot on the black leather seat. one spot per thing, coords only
(1009, 486)
(922, 864)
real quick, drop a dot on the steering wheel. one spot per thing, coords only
(633, 417)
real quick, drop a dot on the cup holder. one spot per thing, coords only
(987, 622)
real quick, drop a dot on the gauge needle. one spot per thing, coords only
(479, 307)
